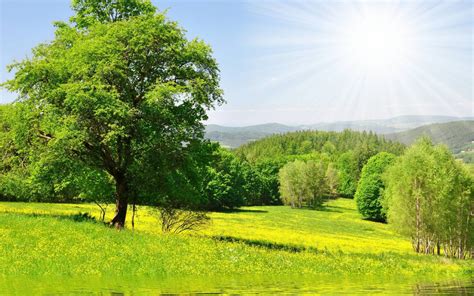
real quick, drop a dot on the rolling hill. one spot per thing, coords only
(236, 136)
(458, 136)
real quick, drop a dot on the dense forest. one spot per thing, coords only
(306, 142)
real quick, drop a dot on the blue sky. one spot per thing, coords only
(299, 62)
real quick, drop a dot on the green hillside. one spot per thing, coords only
(458, 136)
(236, 136)
(304, 142)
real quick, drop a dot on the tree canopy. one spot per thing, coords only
(122, 92)
(89, 12)
(364, 144)
(304, 183)
(346, 153)
(370, 187)
(430, 197)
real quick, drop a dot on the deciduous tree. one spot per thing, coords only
(430, 198)
(121, 90)
(370, 187)
(303, 182)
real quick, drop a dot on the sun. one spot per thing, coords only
(374, 40)
(363, 59)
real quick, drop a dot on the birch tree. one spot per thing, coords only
(429, 197)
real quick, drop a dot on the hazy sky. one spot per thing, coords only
(299, 62)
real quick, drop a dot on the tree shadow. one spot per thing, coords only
(375, 220)
(230, 211)
(78, 217)
(343, 208)
(320, 209)
(328, 209)
(265, 244)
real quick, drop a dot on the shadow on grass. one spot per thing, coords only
(241, 211)
(265, 244)
(79, 217)
(375, 220)
(343, 208)
(328, 209)
(335, 253)
(320, 209)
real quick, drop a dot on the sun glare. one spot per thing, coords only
(364, 57)
(375, 41)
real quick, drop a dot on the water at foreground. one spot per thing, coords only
(239, 285)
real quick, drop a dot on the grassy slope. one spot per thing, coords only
(338, 228)
(46, 245)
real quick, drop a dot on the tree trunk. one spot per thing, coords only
(134, 210)
(417, 220)
(121, 202)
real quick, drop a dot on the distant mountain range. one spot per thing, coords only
(236, 136)
(233, 137)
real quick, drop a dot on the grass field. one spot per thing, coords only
(41, 239)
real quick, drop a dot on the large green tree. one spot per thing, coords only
(225, 181)
(121, 90)
(347, 165)
(370, 187)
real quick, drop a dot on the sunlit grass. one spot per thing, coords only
(333, 241)
(338, 227)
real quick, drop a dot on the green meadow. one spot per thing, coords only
(40, 239)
